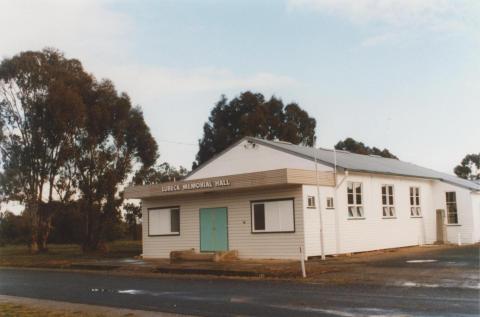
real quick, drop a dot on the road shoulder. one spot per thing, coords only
(58, 308)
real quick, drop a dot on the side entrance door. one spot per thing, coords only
(213, 229)
(440, 226)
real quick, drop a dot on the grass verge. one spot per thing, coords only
(17, 310)
(63, 255)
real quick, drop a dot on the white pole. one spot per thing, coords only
(335, 189)
(459, 239)
(322, 248)
(302, 262)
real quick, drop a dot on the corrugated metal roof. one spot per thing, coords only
(368, 163)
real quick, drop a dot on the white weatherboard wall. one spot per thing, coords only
(373, 231)
(240, 237)
(244, 159)
(312, 221)
(465, 204)
(476, 216)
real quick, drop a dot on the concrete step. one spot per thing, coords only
(191, 255)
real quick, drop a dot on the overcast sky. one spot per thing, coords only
(400, 74)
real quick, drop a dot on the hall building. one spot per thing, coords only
(267, 199)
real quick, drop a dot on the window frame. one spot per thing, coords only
(389, 205)
(253, 202)
(170, 208)
(355, 204)
(329, 198)
(447, 209)
(314, 206)
(414, 198)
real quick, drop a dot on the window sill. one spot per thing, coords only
(311, 207)
(453, 225)
(416, 216)
(356, 218)
(165, 234)
(265, 232)
(330, 208)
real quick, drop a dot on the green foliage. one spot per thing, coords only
(159, 174)
(251, 115)
(41, 107)
(65, 135)
(133, 214)
(469, 168)
(67, 224)
(354, 146)
(13, 228)
(114, 138)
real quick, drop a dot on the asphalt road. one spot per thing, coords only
(459, 295)
(230, 297)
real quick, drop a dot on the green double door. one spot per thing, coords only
(213, 229)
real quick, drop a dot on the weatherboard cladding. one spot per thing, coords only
(367, 163)
(265, 179)
(283, 245)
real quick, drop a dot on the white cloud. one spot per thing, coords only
(432, 14)
(379, 39)
(100, 37)
(152, 80)
(398, 21)
(82, 28)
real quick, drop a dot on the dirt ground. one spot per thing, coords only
(12, 306)
(415, 281)
(366, 266)
(378, 267)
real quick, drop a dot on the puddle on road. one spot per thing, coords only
(421, 261)
(345, 312)
(413, 284)
(132, 292)
(441, 284)
(471, 285)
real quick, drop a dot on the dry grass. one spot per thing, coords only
(16, 310)
(63, 255)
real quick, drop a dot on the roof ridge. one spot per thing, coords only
(369, 163)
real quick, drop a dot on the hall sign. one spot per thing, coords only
(196, 185)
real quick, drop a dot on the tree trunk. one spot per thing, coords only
(91, 242)
(45, 214)
(134, 231)
(43, 234)
(31, 211)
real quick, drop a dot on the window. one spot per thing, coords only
(330, 203)
(355, 200)
(388, 207)
(452, 216)
(273, 216)
(259, 217)
(415, 210)
(311, 202)
(164, 221)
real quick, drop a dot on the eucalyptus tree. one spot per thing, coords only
(66, 136)
(250, 114)
(160, 173)
(469, 167)
(114, 141)
(357, 147)
(41, 109)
